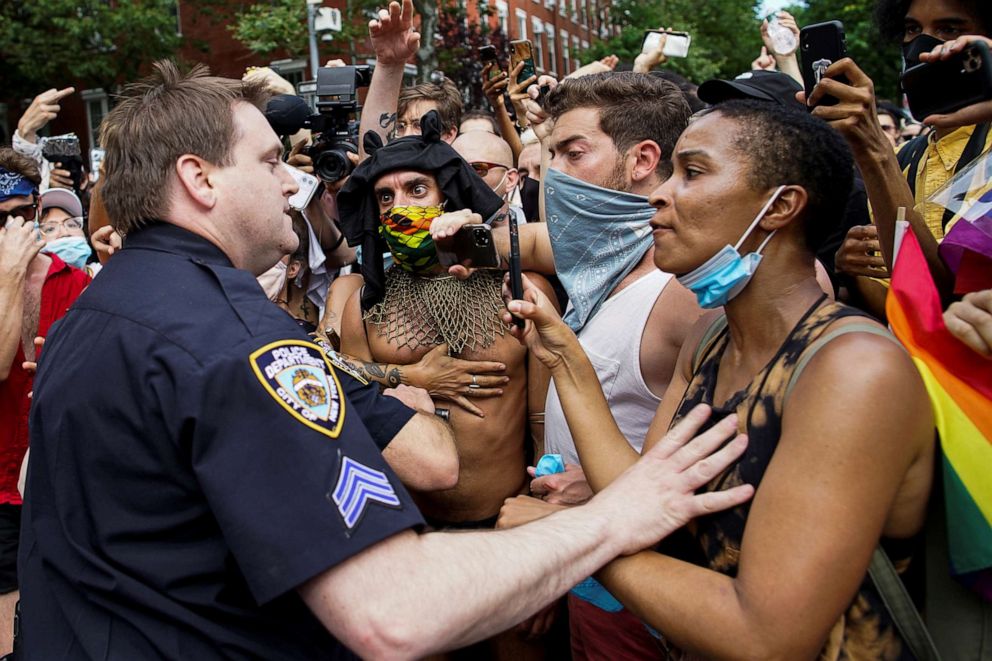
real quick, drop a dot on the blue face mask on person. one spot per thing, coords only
(598, 236)
(73, 250)
(725, 275)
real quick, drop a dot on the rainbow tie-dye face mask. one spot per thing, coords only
(406, 231)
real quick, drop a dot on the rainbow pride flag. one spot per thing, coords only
(959, 383)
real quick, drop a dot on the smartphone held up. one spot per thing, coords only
(676, 43)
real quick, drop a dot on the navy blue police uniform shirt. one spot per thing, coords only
(194, 458)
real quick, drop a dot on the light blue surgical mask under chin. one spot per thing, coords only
(725, 275)
(73, 250)
(598, 236)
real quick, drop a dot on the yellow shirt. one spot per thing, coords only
(935, 169)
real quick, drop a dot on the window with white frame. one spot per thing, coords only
(538, 27)
(563, 7)
(549, 4)
(521, 24)
(97, 107)
(179, 19)
(549, 31)
(565, 59)
(503, 16)
(576, 51)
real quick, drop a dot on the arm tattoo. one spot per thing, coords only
(387, 120)
(374, 370)
(394, 378)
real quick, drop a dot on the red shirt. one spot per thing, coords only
(62, 286)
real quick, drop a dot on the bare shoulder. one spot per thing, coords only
(676, 325)
(868, 379)
(542, 283)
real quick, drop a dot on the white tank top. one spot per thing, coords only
(612, 340)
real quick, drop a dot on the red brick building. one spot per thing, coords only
(559, 30)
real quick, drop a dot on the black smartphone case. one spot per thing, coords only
(938, 88)
(472, 246)
(819, 42)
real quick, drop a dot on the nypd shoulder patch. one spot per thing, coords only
(357, 486)
(298, 375)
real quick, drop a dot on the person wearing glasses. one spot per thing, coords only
(492, 159)
(35, 290)
(61, 225)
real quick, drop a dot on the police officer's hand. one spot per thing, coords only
(854, 115)
(860, 254)
(657, 494)
(568, 488)
(298, 159)
(457, 380)
(415, 398)
(20, 242)
(393, 38)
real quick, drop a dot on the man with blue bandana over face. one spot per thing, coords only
(607, 142)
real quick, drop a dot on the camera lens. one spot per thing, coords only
(481, 237)
(332, 165)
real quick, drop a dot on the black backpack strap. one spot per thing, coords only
(909, 156)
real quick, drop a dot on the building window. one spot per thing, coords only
(538, 27)
(549, 31)
(576, 51)
(96, 109)
(179, 20)
(565, 56)
(503, 16)
(521, 24)
(549, 4)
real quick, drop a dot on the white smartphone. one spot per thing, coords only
(676, 43)
(308, 186)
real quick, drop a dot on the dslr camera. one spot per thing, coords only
(334, 125)
(335, 130)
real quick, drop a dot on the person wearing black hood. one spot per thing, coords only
(925, 163)
(401, 314)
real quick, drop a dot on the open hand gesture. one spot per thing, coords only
(393, 38)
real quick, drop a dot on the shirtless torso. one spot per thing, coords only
(492, 450)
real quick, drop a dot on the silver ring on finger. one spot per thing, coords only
(474, 384)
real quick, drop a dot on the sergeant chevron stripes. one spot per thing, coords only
(357, 486)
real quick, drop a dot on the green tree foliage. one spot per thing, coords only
(92, 43)
(276, 25)
(725, 34)
(876, 57)
(458, 50)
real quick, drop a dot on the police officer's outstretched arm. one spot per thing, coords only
(411, 595)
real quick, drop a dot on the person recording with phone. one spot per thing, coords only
(415, 308)
(922, 165)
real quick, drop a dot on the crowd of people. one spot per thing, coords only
(236, 427)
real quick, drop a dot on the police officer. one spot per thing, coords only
(201, 486)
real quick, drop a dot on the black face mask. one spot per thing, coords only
(911, 50)
(530, 198)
